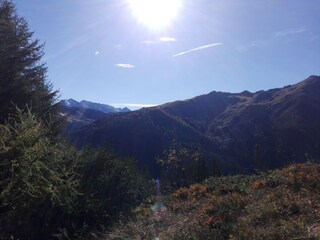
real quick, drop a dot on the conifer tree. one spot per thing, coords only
(23, 80)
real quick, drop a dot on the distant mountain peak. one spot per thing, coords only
(313, 80)
(69, 102)
(246, 93)
(125, 109)
(92, 105)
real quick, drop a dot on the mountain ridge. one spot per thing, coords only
(239, 131)
(92, 105)
(83, 113)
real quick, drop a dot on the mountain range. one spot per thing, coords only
(71, 103)
(83, 113)
(239, 132)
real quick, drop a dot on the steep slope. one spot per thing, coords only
(79, 117)
(272, 127)
(143, 134)
(241, 132)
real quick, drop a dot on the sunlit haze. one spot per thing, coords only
(143, 52)
(156, 14)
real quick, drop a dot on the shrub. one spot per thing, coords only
(109, 187)
(38, 182)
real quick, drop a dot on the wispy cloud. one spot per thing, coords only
(291, 31)
(277, 36)
(97, 53)
(118, 46)
(160, 40)
(124, 65)
(314, 38)
(167, 39)
(197, 49)
(256, 43)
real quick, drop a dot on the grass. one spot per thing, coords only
(280, 204)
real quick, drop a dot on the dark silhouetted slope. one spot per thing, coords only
(242, 131)
(270, 128)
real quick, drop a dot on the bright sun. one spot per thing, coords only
(155, 14)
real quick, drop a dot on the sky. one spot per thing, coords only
(104, 51)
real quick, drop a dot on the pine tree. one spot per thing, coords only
(38, 179)
(23, 80)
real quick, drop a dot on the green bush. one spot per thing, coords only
(109, 187)
(38, 181)
(49, 189)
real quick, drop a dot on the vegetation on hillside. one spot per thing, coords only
(181, 166)
(48, 189)
(280, 204)
(38, 179)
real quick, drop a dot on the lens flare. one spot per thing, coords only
(158, 208)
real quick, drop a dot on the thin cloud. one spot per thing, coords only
(160, 40)
(290, 32)
(118, 46)
(167, 39)
(124, 65)
(277, 36)
(97, 53)
(258, 43)
(197, 49)
(314, 38)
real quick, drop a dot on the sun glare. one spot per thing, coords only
(155, 14)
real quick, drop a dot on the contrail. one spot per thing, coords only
(197, 49)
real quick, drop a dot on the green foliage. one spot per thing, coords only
(48, 188)
(22, 74)
(38, 181)
(181, 166)
(109, 186)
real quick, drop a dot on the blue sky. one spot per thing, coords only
(98, 50)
